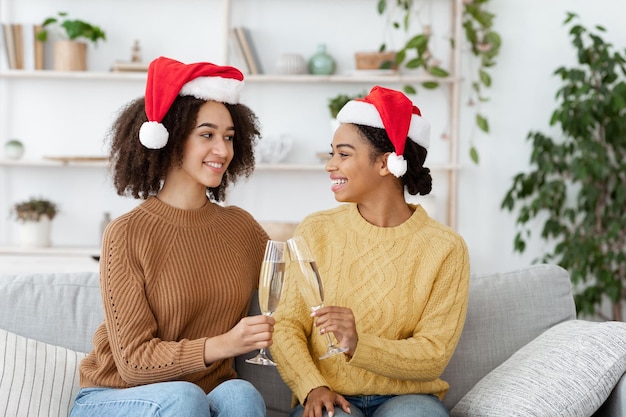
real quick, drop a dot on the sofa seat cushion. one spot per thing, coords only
(569, 370)
(36, 379)
(505, 312)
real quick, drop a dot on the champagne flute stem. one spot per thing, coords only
(330, 342)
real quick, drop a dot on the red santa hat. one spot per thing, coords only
(168, 78)
(393, 111)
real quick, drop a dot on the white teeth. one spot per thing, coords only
(214, 164)
(338, 182)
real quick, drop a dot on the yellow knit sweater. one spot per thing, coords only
(408, 289)
(169, 279)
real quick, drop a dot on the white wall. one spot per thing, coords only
(535, 43)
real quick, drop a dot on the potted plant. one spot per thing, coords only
(575, 188)
(336, 103)
(70, 51)
(34, 217)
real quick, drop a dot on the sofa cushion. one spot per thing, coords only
(62, 309)
(36, 379)
(506, 311)
(569, 370)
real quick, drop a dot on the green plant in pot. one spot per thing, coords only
(337, 102)
(575, 190)
(34, 209)
(34, 217)
(70, 51)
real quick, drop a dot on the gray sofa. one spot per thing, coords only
(507, 311)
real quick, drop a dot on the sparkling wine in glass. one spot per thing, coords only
(270, 287)
(311, 289)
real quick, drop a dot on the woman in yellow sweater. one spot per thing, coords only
(395, 280)
(177, 273)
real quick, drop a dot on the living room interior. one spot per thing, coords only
(68, 116)
(62, 119)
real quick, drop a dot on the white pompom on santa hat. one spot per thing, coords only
(393, 111)
(168, 78)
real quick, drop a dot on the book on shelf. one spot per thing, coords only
(128, 66)
(9, 45)
(237, 57)
(249, 51)
(22, 49)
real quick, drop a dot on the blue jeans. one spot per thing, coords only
(232, 398)
(409, 405)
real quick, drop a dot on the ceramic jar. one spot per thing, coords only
(291, 64)
(322, 63)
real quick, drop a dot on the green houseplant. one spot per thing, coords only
(576, 186)
(71, 29)
(70, 51)
(335, 103)
(483, 45)
(415, 53)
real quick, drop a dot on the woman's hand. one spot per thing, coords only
(322, 397)
(339, 321)
(251, 333)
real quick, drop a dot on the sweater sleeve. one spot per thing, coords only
(139, 356)
(424, 356)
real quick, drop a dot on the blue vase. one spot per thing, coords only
(321, 63)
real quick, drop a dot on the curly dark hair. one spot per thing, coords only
(139, 172)
(417, 179)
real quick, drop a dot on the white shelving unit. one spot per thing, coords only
(264, 91)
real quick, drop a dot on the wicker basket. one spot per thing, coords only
(374, 60)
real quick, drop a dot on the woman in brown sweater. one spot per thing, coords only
(178, 272)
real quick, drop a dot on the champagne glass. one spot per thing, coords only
(311, 289)
(270, 287)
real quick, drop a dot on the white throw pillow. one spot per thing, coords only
(569, 370)
(36, 379)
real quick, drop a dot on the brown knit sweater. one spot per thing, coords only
(169, 279)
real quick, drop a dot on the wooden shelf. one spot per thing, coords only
(50, 251)
(45, 163)
(33, 163)
(260, 79)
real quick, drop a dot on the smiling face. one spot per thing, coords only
(355, 177)
(208, 150)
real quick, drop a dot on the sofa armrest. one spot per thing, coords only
(615, 405)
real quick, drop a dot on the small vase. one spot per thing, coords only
(291, 64)
(13, 149)
(321, 63)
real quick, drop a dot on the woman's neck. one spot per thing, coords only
(182, 197)
(385, 213)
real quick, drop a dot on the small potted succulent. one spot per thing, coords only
(34, 217)
(70, 51)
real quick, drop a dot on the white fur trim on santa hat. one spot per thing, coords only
(153, 135)
(225, 90)
(363, 113)
(396, 165)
